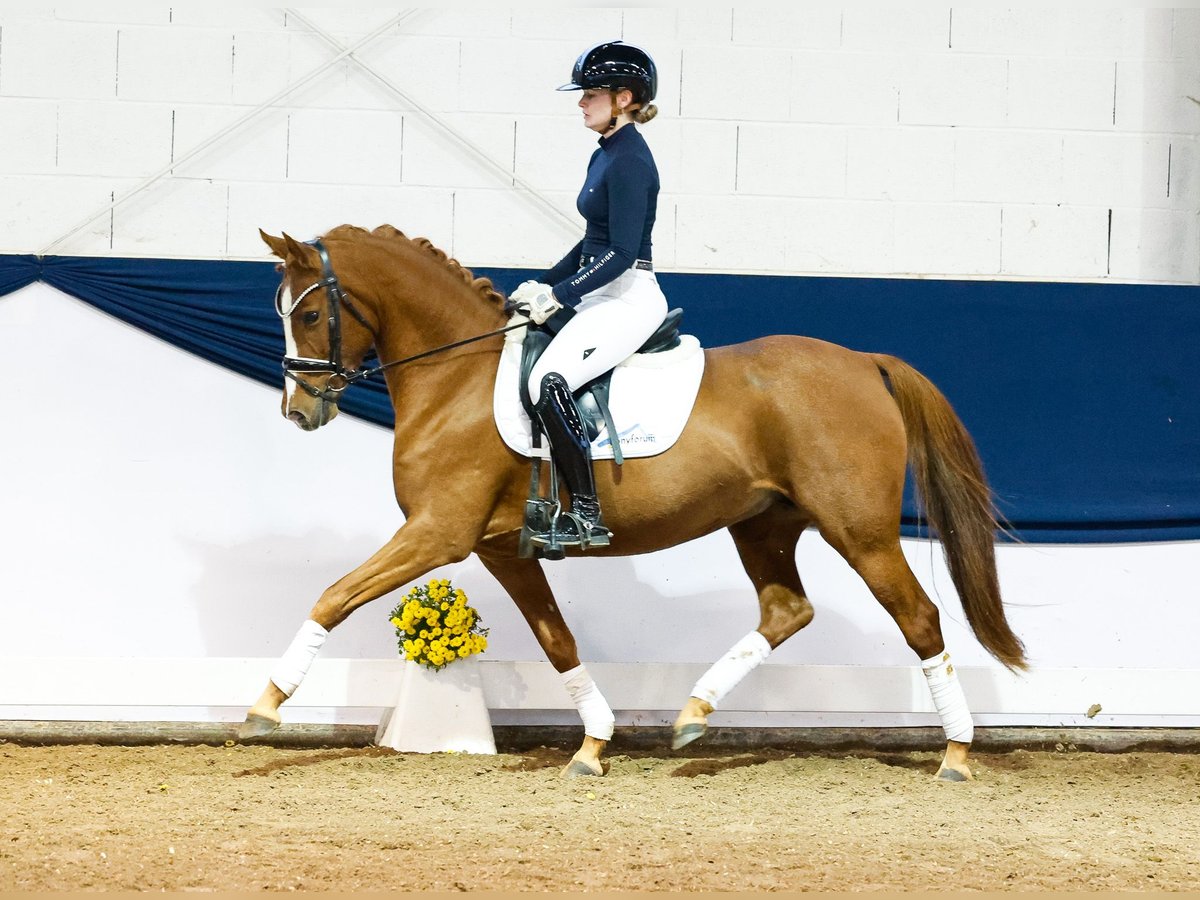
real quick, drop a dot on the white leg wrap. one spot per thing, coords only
(948, 698)
(293, 665)
(741, 659)
(598, 718)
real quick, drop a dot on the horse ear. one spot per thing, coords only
(277, 245)
(301, 253)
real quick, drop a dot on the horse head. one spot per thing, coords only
(324, 347)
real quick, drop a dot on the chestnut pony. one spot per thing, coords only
(786, 433)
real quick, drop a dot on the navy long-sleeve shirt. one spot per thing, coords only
(619, 200)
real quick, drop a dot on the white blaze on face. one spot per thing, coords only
(285, 302)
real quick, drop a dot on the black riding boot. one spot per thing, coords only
(571, 452)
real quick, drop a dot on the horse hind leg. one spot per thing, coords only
(887, 574)
(766, 544)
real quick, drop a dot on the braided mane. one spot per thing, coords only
(482, 286)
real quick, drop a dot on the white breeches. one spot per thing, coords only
(609, 325)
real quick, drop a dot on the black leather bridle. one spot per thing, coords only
(341, 377)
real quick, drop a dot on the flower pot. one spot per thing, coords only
(439, 712)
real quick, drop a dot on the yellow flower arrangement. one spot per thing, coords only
(435, 625)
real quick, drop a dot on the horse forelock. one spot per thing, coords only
(391, 237)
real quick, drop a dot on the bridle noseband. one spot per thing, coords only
(341, 377)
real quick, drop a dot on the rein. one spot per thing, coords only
(333, 365)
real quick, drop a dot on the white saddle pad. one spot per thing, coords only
(651, 398)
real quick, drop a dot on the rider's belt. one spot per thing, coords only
(644, 264)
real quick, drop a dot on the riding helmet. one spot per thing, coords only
(615, 65)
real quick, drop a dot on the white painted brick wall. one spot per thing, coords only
(256, 151)
(32, 130)
(914, 164)
(175, 65)
(860, 88)
(113, 138)
(344, 146)
(1156, 244)
(1116, 169)
(791, 160)
(1054, 241)
(840, 141)
(1061, 93)
(57, 59)
(1008, 166)
(948, 239)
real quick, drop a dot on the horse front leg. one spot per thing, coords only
(525, 582)
(414, 550)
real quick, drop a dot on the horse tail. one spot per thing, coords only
(954, 491)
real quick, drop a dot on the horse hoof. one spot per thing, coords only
(945, 774)
(256, 726)
(579, 769)
(685, 734)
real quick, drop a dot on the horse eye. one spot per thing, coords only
(311, 317)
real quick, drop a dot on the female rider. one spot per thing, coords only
(607, 277)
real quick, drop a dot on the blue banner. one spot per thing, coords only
(1083, 398)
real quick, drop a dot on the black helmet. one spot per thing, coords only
(615, 65)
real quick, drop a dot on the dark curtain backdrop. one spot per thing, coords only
(1083, 398)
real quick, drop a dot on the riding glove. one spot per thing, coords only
(538, 299)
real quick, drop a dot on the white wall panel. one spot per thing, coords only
(1115, 169)
(1026, 31)
(1061, 93)
(486, 221)
(862, 88)
(788, 26)
(349, 146)
(37, 209)
(916, 164)
(718, 234)
(833, 236)
(1184, 187)
(1039, 240)
(117, 13)
(659, 27)
(948, 238)
(918, 106)
(113, 137)
(916, 29)
(705, 24)
(1158, 96)
(953, 90)
(1159, 241)
(307, 210)
(256, 151)
(193, 65)
(743, 83)
(424, 68)
(434, 158)
(552, 152)
(693, 157)
(262, 64)
(1008, 166)
(578, 23)
(36, 122)
(197, 207)
(1115, 33)
(791, 160)
(1185, 33)
(58, 59)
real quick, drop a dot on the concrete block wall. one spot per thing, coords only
(1030, 143)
